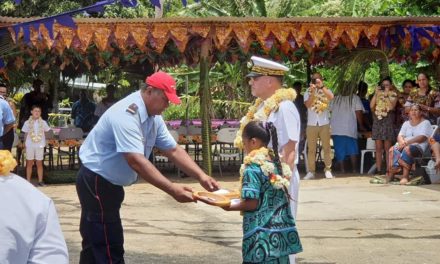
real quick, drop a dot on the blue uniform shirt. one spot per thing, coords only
(117, 132)
(7, 117)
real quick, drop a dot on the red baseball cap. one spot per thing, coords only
(164, 81)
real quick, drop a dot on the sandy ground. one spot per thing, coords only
(343, 220)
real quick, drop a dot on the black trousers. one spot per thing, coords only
(100, 227)
(7, 140)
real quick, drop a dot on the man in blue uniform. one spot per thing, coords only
(7, 119)
(113, 155)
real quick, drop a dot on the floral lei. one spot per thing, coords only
(36, 136)
(263, 157)
(320, 102)
(415, 98)
(383, 102)
(256, 114)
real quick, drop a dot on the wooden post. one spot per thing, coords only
(245, 82)
(205, 105)
(308, 72)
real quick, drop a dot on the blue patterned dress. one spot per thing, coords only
(269, 232)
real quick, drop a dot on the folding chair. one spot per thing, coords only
(225, 146)
(48, 149)
(70, 137)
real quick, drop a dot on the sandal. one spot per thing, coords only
(419, 180)
(377, 180)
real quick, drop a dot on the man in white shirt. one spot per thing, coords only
(317, 100)
(29, 227)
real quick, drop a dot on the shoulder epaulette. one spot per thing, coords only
(132, 109)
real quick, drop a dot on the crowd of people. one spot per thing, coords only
(386, 116)
(280, 122)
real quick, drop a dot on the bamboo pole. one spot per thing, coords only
(205, 103)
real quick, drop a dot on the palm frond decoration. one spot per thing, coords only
(352, 67)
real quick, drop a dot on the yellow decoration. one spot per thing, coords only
(415, 98)
(36, 136)
(320, 101)
(7, 162)
(256, 114)
(263, 157)
(383, 103)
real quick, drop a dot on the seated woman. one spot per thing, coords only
(412, 142)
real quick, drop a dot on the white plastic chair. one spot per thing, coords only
(164, 159)
(370, 147)
(225, 146)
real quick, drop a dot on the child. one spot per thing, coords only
(269, 232)
(35, 143)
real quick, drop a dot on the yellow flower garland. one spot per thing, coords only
(427, 100)
(255, 114)
(383, 102)
(263, 157)
(36, 136)
(7, 162)
(320, 102)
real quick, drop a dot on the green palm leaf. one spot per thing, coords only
(352, 67)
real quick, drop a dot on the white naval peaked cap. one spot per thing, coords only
(262, 66)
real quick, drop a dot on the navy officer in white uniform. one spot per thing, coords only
(115, 152)
(265, 79)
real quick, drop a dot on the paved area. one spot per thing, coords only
(343, 220)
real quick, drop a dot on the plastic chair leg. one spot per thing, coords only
(362, 162)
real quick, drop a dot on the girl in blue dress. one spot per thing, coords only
(269, 231)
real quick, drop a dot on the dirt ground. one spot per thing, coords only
(342, 220)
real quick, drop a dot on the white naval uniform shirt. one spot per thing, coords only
(288, 125)
(29, 227)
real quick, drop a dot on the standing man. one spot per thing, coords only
(37, 97)
(83, 112)
(8, 133)
(275, 104)
(114, 154)
(317, 100)
(302, 110)
(106, 102)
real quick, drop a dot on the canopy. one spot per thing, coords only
(173, 41)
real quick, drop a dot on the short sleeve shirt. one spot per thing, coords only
(288, 125)
(26, 128)
(117, 132)
(343, 121)
(29, 228)
(7, 117)
(315, 119)
(422, 129)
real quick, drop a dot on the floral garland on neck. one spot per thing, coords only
(255, 113)
(263, 157)
(415, 98)
(320, 102)
(383, 102)
(36, 136)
